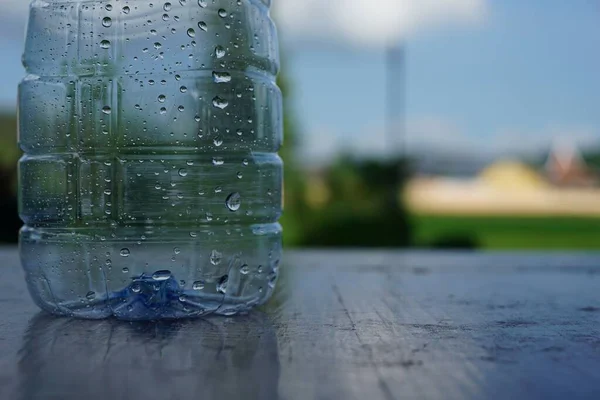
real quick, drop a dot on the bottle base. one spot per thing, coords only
(72, 274)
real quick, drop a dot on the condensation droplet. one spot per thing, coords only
(234, 201)
(218, 161)
(161, 275)
(105, 44)
(191, 33)
(215, 257)
(222, 284)
(202, 25)
(221, 77)
(222, 13)
(219, 52)
(125, 252)
(218, 102)
(90, 295)
(106, 110)
(198, 285)
(182, 172)
(245, 269)
(106, 22)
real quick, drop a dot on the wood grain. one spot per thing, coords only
(342, 325)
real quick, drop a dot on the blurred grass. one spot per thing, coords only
(507, 232)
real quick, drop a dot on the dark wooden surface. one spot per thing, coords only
(342, 325)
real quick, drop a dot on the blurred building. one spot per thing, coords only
(564, 186)
(566, 167)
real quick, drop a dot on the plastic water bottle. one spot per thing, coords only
(150, 185)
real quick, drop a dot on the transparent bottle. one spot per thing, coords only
(150, 186)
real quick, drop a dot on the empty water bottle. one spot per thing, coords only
(150, 185)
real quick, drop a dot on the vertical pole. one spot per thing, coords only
(395, 117)
(396, 99)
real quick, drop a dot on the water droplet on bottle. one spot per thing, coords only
(107, 192)
(272, 280)
(181, 108)
(219, 52)
(125, 252)
(222, 13)
(136, 288)
(202, 3)
(176, 250)
(222, 284)
(239, 175)
(202, 25)
(239, 132)
(209, 216)
(220, 103)
(193, 235)
(126, 10)
(245, 162)
(161, 275)
(218, 161)
(162, 98)
(245, 269)
(191, 33)
(90, 295)
(182, 172)
(106, 110)
(218, 141)
(198, 285)
(163, 110)
(108, 7)
(167, 7)
(221, 77)
(215, 257)
(125, 270)
(105, 44)
(183, 89)
(218, 189)
(157, 45)
(234, 201)
(106, 22)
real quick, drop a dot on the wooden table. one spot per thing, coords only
(342, 325)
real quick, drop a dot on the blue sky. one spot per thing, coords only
(493, 76)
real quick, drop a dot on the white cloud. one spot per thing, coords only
(372, 22)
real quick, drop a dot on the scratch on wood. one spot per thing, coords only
(387, 392)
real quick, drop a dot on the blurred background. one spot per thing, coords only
(417, 123)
